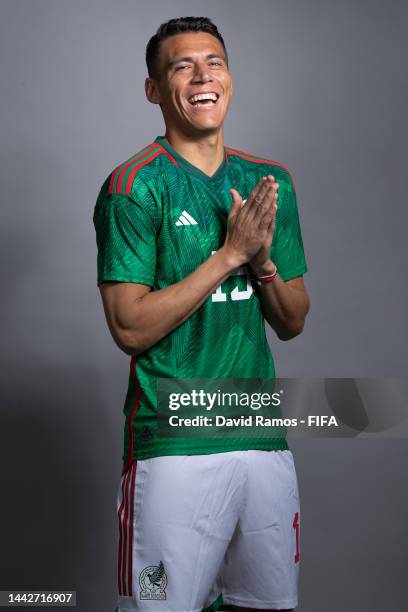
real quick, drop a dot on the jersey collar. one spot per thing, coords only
(190, 168)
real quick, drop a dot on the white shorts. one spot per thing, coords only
(199, 530)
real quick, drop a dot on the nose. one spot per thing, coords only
(201, 73)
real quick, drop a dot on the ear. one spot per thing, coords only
(152, 91)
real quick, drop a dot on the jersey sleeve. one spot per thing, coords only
(126, 232)
(287, 251)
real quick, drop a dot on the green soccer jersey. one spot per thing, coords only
(157, 218)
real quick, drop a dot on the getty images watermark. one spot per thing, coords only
(284, 407)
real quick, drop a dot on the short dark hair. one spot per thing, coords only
(178, 26)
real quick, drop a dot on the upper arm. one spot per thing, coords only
(126, 231)
(120, 303)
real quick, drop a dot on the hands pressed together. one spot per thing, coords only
(251, 225)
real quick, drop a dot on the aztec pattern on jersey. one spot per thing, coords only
(157, 219)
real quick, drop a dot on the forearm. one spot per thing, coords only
(284, 307)
(151, 317)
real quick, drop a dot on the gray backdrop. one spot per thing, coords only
(319, 86)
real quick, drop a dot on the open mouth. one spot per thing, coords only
(206, 99)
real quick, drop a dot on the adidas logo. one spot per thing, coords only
(186, 219)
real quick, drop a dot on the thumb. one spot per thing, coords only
(237, 202)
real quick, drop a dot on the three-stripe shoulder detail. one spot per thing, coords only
(122, 177)
(229, 151)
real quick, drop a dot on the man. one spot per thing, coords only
(202, 522)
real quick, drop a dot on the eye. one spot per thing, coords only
(215, 63)
(182, 67)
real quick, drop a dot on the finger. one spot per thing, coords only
(256, 206)
(261, 198)
(271, 181)
(273, 220)
(265, 221)
(271, 197)
(274, 200)
(255, 193)
(267, 191)
(271, 178)
(236, 203)
(266, 206)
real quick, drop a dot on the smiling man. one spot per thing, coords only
(195, 252)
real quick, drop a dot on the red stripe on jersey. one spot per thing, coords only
(127, 532)
(171, 158)
(120, 540)
(136, 160)
(125, 513)
(296, 527)
(127, 163)
(130, 529)
(132, 174)
(257, 160)
(144, 163)
(122, 533)
(135, 406)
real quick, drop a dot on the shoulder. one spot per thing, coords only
(132, 188)
(262, 164)
(143, 167)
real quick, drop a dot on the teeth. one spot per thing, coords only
(203, 96)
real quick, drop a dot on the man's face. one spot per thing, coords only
(194, 86)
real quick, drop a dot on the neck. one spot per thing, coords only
(206, 153)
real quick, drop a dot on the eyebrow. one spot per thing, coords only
(191, 59)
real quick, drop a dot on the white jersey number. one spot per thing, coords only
(236, 294)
